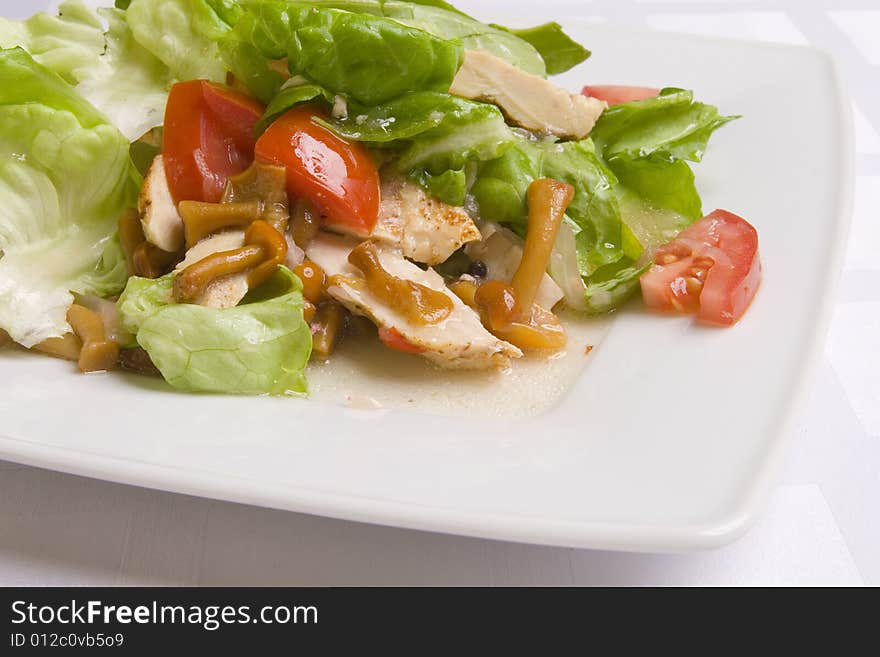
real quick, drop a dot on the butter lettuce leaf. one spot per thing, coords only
(261, 347)
(558, 50)
(444, 21)
(65, 177)
(672, 124)
(95, 51)
(368, 58)
(184, 34)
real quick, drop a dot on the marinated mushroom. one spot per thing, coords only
(67, 346)
(265, 184)
(190, 283)
(98, 353)
(274, 246)
(326, 328)
(509, 310)
(203, 219)
(313, 279)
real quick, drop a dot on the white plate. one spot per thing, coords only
(668, 439)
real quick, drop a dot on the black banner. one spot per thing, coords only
(553, 620)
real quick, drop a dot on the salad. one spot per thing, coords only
(220, 191)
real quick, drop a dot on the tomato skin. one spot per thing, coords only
(208, 137)
(339, 177)
(614, 94)
(393, 339)
(712, 268)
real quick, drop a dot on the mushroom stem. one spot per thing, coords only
(548, 201)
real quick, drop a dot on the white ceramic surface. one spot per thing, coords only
(667, 441)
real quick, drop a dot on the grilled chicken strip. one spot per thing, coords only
(527, 100)
(426, 229)
(458, 342)
(160, 220)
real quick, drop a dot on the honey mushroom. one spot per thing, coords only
(305, 222)
(509, 310)
(190, 283)
(67, 347)
(265, 184)
(97, 353)
(202, 219)
(326, 328)
(274, 246)
(263, 251)
(313, 279)
(418, 303)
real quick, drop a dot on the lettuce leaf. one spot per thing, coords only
(184, 34)
(558, 50)
(444, 21)
(256, 348)
(96, 52)
(65, 176)
(433, 132)
(671, 124)
(368, 58)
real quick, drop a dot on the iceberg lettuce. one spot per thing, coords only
(65, 177)
(94, 50)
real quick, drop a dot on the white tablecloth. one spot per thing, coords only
(823, 522)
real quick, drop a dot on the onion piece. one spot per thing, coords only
(564, 269)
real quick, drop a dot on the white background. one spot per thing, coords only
(822, 525)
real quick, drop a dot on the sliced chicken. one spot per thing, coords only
(458, 342)
(527, 100)
(227, 291)
(501, 251)
(161, 222)
(426, 229)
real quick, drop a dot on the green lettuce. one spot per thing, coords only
(95, 51)
(259, 347)
(433, 132)
(289, 98)
(558, 50)
(65, 176)
(672, 124)
(184, 34)
(368, 58)
(443, 21)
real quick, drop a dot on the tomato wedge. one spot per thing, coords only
(614, 94)
(393, 339)
(711, 268)
(209, 136)
(337, 176)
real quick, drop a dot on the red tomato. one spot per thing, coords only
(614, 94)
(339, 177)
(393, 339)
(209, 136)
(712, 268)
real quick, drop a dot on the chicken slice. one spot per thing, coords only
(226, 291)
(161, 222)
(458, 342)
(425, 229)
(527, 100)
(501, 250)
